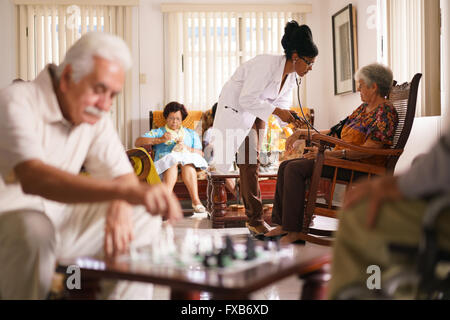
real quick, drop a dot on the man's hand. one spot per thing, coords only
(158, 200)
(378, 190)
(118, 228)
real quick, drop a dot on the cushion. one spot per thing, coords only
(193, 121)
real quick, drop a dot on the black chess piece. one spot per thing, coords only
(221, 258)
(197, 250)
(266, 244)
(250, 250)
(229, 247)
(277, 244)
(205, 261)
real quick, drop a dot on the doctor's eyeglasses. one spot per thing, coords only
(308, 63)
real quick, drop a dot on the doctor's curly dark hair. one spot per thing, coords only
(298, 39)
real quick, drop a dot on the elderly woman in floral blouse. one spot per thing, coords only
(372, 125)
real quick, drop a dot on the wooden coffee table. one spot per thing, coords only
(310, 262)
(217, 208)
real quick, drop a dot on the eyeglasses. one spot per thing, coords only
(173, 119)
(308, 63)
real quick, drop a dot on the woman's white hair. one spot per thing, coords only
(379, 74)
(94, 44)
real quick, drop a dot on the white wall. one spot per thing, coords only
(424, 134)
(341, 106)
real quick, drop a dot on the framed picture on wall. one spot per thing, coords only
(344, 50)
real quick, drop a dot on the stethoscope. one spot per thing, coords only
(309, 126)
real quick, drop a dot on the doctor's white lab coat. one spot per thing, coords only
(252, 92)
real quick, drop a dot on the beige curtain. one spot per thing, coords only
(445, 74)
(46, 31)
(205, 47)
(414, 47)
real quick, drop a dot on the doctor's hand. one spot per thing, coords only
(284, 115)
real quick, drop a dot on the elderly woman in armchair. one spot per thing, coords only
(372, 125)
(176, 146)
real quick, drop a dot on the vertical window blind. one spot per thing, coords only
(47, 30)
(206, 45)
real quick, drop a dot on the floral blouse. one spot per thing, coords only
(378, 125)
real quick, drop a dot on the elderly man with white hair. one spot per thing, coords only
(49, 129)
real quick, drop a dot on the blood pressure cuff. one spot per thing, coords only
(337, 129)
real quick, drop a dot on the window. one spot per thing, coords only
(205, 46)
(46, 31)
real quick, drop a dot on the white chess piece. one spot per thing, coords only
(170, 240)
(217, 242)
(155, 251)
(188, 247)
(134, 254)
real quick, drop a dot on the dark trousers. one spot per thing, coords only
(248, 163)
(290, 191)
(289, 204)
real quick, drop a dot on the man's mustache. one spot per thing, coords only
(95, 111)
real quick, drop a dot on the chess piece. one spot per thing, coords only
(229, 247)
(277, 244)
(217, 242)
(266, 244)
(221, 259)
(156, 251)
(250, 250)
(209, 260)
(206, 244)
(169, 242)
(205, 261)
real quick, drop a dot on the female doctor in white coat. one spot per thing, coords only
(260, 87)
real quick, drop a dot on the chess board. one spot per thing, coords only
(198, 252)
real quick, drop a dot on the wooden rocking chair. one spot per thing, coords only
(403, 97)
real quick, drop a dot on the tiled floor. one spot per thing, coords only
(287, 289)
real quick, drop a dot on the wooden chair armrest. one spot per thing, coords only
(332, 141)
(355, 165)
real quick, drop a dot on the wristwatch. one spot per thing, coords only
(343, 153)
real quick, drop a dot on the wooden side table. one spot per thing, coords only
(217, 207)
(310, 262)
